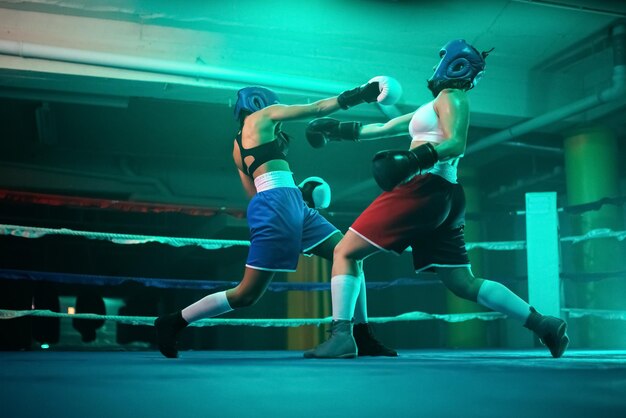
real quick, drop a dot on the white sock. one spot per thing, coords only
(360, 310)
(344, 290)
(499, 298)
(209, 306)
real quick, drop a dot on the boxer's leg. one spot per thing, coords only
(345, 288)
(550, 330)
(246, 293)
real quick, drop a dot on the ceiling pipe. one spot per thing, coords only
(539, 148)
(103, 59)
(524, 184)
(64, 97)
(123, 179)
(197, 70)
(614, 92)
(575, 8)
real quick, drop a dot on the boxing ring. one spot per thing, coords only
(454, 383)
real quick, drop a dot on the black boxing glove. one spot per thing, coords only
(392, 167)
(323, 130)
(367, 93)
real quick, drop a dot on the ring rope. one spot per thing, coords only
(36, 232)
(209, 244)
(215, 244)
(592, 277)
(297, 322)
(595, 205)
(128, 206)
(585, 207)
(288, 322)
(275, 286)
(596, 233)
(598, 313)
(497, 245)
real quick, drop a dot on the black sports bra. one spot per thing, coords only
(274, 150)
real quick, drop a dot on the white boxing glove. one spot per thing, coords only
(390, 89)
(315, 192)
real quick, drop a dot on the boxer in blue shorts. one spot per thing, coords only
(281, 224)
(423, 205)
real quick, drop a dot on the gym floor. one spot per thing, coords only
(418, 383)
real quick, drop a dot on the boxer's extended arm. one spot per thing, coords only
(381, 89)
(280, 113)
(320, 132)
(395, 127)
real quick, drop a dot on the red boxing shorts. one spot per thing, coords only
(426, 213)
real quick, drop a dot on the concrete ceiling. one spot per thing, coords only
(133, 99)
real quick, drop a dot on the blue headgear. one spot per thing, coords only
(254, 98)
(459, 61)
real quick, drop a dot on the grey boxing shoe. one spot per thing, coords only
(167, 329)
(550, 330)
(340, 344)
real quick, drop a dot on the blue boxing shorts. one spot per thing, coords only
(282, 226)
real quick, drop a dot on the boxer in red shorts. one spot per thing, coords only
(423, 205)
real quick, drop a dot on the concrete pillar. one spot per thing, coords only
(591, 167)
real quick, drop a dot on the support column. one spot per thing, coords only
(470, 334)
(543, 254)
(591, 167)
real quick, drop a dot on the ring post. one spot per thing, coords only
(542, 252)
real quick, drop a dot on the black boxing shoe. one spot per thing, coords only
(368, 344)
(552, 331)
(167, 329)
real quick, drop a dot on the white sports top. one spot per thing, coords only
(424, 127)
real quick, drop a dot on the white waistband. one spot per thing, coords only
(445, 170)
(273, 180)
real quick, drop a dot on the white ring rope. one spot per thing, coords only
(36, 232)
(295, 322)
(497, 245)
(598, 313)
(597, 233)
(215, 244)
